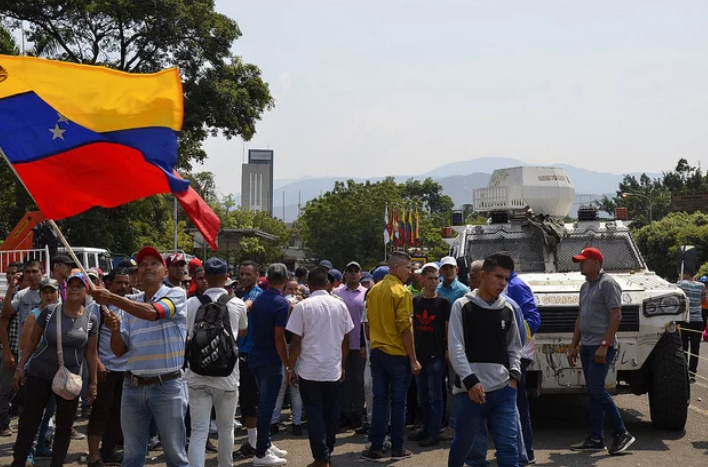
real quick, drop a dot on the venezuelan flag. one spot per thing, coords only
(80, 136)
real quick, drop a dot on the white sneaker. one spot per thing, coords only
(278, 452)
(212, 427)
(237, 425)
(268, 460)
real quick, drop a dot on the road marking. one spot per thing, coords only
(700, 411)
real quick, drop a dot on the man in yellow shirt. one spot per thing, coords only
(392, 359)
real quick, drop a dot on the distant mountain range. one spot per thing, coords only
(589, 185)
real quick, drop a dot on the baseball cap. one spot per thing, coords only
(175, 258)
(325, 263)
(78, 275)
(215, 266)
(262, 282)
(448, 261)
(95, 272)
(129, 264)
(588, 253)
(353, 264)
(366, 277)
(149, 251)
(703, 279)
(430, 265)
(63, 259)
(194, 263)
(53, 283)
(229, 282)
(337, 274)
(380, 273)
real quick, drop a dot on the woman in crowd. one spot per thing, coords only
(78, 336)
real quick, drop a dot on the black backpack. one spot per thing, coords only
(212, 349)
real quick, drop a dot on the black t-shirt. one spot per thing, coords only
(430, 317)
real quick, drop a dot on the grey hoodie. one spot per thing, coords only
(492, 376)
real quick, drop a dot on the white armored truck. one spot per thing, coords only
(526, 207)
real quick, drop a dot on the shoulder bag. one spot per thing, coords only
(65, 384)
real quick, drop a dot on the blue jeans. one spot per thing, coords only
(391, 376)
(600, 400)
(165, 402)
(430, 396)
(499, 411)
(268, 378)
(321, 400)
(478, 454)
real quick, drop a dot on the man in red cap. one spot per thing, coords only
(599, 317)
(152, 335)
(176, 269)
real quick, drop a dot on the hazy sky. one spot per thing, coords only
(381, 87)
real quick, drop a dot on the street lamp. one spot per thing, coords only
(650, 202)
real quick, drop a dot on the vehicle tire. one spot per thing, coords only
(669, 389)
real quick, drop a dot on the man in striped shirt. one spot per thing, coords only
(152, 335)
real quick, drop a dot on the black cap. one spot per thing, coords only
(63, 259)
(215, 266)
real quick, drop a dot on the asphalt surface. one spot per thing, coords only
(558, 422)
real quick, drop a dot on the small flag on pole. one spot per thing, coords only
(386, 236)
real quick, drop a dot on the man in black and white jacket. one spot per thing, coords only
(485, 350)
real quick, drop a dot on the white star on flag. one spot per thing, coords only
(62, 119)
(57, 132)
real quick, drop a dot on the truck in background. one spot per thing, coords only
(527, 209)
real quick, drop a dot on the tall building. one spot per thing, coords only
(257, 181)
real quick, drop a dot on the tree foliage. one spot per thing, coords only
(223, 94)
(660, 244)
(347, 222)
(257, 249)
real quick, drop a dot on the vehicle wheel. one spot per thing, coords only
(669, 390)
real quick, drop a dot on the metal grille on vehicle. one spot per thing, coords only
(562, 319)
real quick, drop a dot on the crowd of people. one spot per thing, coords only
(170, 350)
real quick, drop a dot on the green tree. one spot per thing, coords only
(223, 95)
(660, 244)
(346, 223)
(258, 249)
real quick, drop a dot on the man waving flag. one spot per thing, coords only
(80, 136)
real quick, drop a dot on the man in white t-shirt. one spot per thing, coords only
(222, 391)
(320, 326)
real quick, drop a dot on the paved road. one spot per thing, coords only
(558, 422)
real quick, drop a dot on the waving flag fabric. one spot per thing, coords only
(81, 136)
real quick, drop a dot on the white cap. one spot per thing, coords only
(448, 260)
(430, 265)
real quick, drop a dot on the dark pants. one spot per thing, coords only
(692, 343)
(6, 391)
(600, 400)
(37, 391)
(499, 411)
(351, 399)
(704, 312)
(248, 389)
(320, 399)
(391, 375)
(268, 377)
(430, 393)
(522, 402)
(105, 413)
